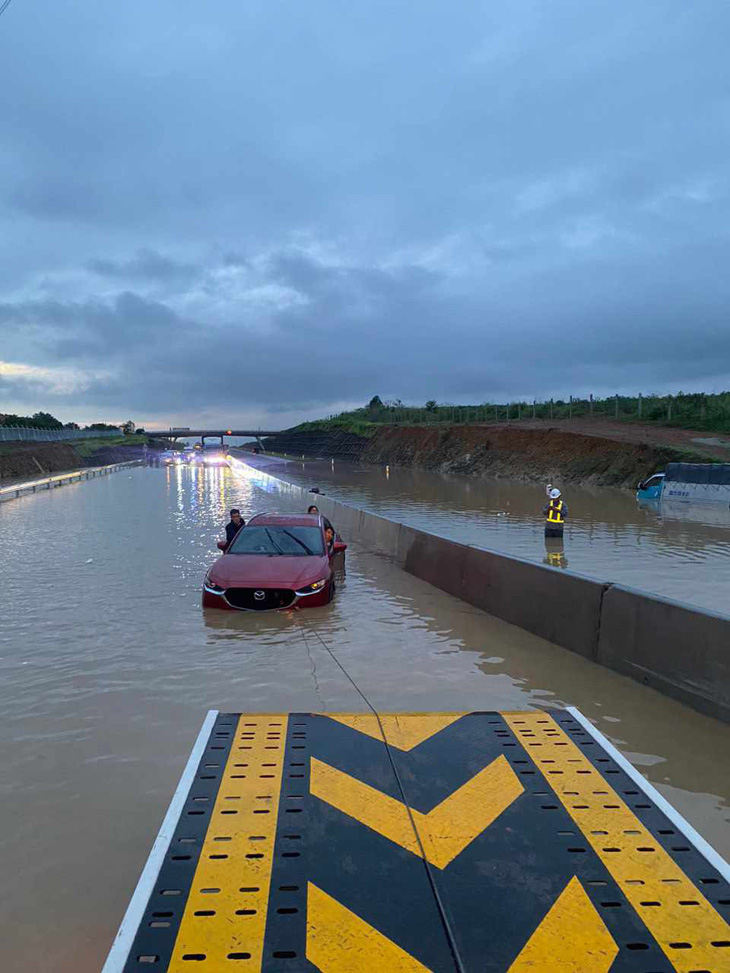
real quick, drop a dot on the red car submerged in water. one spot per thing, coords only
(276, 561)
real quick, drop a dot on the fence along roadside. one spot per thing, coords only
(693, 410)
(28, 434)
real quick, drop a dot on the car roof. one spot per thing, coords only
(285, 520)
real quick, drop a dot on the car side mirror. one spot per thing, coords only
(338, 547)
(222, 545)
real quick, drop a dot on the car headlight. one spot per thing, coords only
(212, 586)
(310, 589)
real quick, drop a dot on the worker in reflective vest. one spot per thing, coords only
(555, 512)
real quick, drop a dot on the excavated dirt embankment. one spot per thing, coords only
(546, 453)
(31, 460)
(540, 454)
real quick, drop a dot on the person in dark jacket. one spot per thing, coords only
(233, 526)
(555, 513)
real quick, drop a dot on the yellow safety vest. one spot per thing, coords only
(555, 512)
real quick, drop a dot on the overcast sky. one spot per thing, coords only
(261, 211)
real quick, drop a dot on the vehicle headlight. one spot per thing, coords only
(212, 586)
(311, 588)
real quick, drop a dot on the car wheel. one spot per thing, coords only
(333, 589)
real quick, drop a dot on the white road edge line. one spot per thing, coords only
(704, 848)
(61, 477)
(122, 944)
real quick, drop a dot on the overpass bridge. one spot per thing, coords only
(180, 433)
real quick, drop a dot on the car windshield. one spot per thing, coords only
(289, 541)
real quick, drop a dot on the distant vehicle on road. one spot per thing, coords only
(275, 562)
(213, 453)
(692, 482)
(213, 456)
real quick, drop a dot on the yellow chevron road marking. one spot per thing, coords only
(572, 938)
(402, 730)
(445, 831)
(338, 941)
(673, 909)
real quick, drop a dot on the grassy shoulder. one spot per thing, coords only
(348, 422)
(698, 411)
(87, 447)
(84, 447)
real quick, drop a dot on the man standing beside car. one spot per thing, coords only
(233, 526)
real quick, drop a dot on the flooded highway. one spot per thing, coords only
(109, 664)
(670, 548)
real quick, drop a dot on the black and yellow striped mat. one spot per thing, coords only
(422, 842)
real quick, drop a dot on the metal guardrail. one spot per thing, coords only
(9, 434)
(16, 490)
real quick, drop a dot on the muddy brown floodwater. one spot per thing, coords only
(108, 666)
(675, 549)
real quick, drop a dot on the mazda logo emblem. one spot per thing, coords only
(259, 595)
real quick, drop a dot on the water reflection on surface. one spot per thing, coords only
(671, 548)
(108, 664)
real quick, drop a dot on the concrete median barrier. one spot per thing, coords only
(347, 520)
(406, 539)
(682, 652)
(381, 534)
(563, 608)
(678, 650)
(436, 560)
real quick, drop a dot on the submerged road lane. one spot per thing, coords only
(107, 666)
(674, 549)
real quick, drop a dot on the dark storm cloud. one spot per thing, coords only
(273, 208)
(145, 265)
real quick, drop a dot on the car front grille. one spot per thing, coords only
(259, 599)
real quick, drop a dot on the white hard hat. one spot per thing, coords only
(554, 494)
